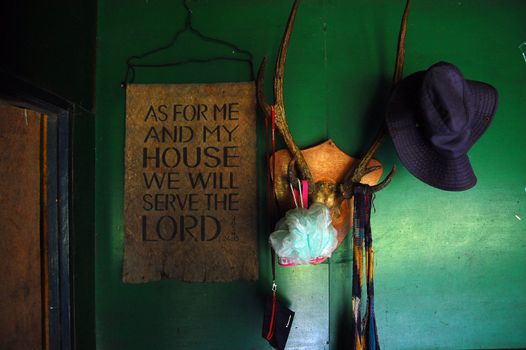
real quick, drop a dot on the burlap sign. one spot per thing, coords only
(190, 182)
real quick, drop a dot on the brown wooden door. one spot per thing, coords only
(21, 292)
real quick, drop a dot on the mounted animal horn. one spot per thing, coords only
(279, 106)
(330, 172)
(355, 175)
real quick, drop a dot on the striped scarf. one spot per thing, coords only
(365, 332)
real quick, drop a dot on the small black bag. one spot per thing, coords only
(277, 322)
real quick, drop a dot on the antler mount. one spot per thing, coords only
(325, 188)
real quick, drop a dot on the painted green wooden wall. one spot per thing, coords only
(449, 266)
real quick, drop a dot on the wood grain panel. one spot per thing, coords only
(20, 269)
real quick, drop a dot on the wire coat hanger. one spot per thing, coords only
(132, 63)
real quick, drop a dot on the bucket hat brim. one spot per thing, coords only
(415, 151)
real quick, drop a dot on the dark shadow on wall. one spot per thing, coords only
(51, 46)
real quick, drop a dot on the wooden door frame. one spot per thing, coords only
(58, 149)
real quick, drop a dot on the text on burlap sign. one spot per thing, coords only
(190, 182)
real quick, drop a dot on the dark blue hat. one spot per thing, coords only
(434, 117)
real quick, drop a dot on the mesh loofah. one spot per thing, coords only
(304, 235)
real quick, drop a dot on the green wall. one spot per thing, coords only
(449, 266)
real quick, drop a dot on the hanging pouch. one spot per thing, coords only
(277, 322)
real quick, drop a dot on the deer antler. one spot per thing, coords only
(279, 106)
(356, 174)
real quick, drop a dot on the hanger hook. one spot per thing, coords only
(522, 47)
(188, 14)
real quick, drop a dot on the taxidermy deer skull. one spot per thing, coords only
(333, 191)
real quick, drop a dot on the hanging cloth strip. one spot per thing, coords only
(365, 331)
(277, 318)
(270, 138)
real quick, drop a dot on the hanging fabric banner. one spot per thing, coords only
(190, 182)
